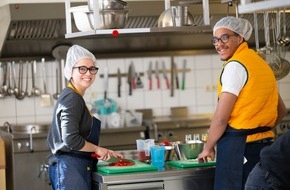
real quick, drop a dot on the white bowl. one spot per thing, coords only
(81, 17)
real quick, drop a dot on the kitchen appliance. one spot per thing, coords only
(26, 154)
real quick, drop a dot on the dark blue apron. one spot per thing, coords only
(94, 135)
(230, 158)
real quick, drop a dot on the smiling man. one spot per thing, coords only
(248, 106)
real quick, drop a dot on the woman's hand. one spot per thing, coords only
(106, 154)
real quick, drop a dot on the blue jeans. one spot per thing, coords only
(71, 173)
(260, 179)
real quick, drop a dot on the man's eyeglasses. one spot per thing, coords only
(224, 38)
(84, 69)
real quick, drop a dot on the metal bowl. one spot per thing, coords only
(109, 4)
(190, 150)
(111, 19)
(169, 153)
(175, 16)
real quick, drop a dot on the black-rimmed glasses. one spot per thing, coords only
(84, 69)
(224, 38)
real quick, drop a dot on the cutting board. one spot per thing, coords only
(139, 166)
(190, 163)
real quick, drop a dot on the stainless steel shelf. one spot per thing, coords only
(115, 32)
(263, 6)
(182, 29)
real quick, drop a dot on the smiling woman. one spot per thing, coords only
(74, 133)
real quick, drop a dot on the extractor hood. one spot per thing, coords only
(36, 29)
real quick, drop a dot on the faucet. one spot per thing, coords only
(8, 126)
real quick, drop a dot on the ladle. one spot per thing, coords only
(267, 52)
(284, 40)
(4, 87)
(16, 90)
(35, 91)
(56, 95)
(10, 90)
(21, 94)
(2, 73)
(283, 69)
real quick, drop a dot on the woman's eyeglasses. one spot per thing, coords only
(224, 38)
(84, 69)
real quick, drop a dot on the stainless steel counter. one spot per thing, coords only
(171, 178)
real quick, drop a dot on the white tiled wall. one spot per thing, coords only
(199, 94)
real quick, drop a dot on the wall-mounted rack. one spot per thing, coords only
(263, 6)
(182, 29)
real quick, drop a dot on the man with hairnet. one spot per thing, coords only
(74, 132)
(248, 108)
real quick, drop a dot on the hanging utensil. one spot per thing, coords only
(165, 75)
(172, 77)
(183, 75)
(16, 90)
(133, 76)
(157, 75)
(176, 75)
(2, 78)
(119, 82)
(139, 83)
(21, 93)
(10, 90)
(45, 100)
(129, 79)
(4, 87)
(35, 91)
(267, 52)
(150, 75)
(57, 77)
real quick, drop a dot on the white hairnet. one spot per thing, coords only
(74, 54)
(238, 25)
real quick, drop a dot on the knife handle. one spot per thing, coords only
(119, 90)
(158, 83)
(150, 84)
(167, 83)
(133, 84)
(130, 89)
(94, 155)
(183, 85)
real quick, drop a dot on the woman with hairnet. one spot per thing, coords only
(248, 108)
(74, 132)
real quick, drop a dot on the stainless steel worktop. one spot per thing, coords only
(171, 178)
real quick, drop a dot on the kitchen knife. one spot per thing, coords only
(157, 75)
(113, 159)
(183, 75)
(133, 76)
(176, 76)
(150, 76)
(172, 77)
(129, 79)
(119, 82)
(165, 75)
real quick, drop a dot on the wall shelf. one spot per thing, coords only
(263, 6)
(115, 32)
